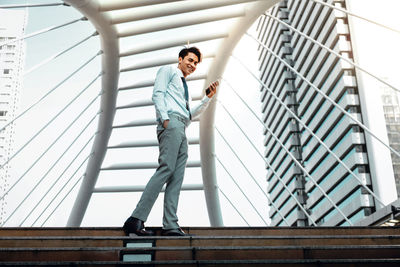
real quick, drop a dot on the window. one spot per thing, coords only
(3, 112)
(6, 71)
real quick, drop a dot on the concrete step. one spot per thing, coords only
(314, 240)
(231, 246)
(226, 263)
(160, 241)
(60, 254)
(201, 253)
(61, 231)
(203, 231)
(270, 252)
(63, 241)
(291, 231)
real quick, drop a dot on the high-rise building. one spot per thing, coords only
(12, 60)
(290, 185)
(391, 109)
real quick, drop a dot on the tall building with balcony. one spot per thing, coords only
(12, 60)
(297, 180)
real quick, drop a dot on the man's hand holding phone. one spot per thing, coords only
(212, 89)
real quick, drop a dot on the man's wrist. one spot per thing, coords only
(164, 117)
(165, 123)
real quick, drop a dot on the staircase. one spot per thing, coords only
(238, 246)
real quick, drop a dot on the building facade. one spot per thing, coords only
(292, 179)
(391, 109)
(12, 60)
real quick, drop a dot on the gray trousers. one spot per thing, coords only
(172, 159)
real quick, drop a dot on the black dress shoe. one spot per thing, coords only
(135, 226)
(174, 232)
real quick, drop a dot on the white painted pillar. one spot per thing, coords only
(207, 138)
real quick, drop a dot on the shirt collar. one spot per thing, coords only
(180, 73)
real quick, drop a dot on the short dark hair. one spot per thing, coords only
(183, 53)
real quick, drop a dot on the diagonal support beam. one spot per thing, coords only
(110, 67)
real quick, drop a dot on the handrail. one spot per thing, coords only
(66, 195)
(46, 150)
(59, 158)
(62, 188)
(251, 175)
(332, 52)
(69, 165)
(50, 91)
(357, 16)
(240, 189)
(279, 178)
(48, 29)
(33, 5)
(47, 124)
(49, 59)
(35, 135)
(301, 167)
(288, 152)
(233, 206)
(305, 126)
(269, 165)
(277, 210)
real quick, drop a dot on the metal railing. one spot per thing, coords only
(47, 210)
(51, 145)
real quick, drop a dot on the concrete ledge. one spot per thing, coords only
(382, 215)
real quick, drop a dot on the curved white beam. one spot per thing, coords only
(181, 40)
(149, 83)
(170, 9)
(107, 5)
(171, 23)
(156, 62)
(110, 68)
(207, 138)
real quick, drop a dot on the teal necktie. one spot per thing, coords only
(186, 96)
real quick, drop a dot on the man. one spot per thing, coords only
(171, 99)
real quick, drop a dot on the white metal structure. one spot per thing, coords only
(107, 17)
(145, 31)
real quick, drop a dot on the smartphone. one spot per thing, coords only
(208, 89)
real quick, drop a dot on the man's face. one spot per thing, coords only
(188, 64)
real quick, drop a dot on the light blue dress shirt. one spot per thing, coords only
(169, 96)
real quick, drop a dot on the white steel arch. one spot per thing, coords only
(207, 139)
(110, 26)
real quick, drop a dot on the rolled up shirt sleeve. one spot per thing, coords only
(160, 92)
